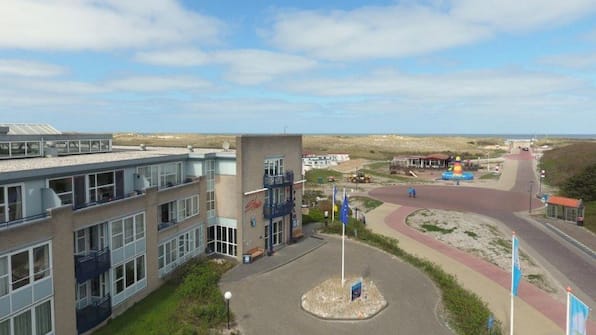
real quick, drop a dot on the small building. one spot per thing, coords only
(434, 161)
(567, 209)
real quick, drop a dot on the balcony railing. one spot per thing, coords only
(164, 225)
(92, 264)
(19, 221)
(105, 201)
(279, 180)
(278, 210)
(93, 314)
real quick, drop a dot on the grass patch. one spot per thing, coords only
(490, 176)
(312, 176)
(434, 228)
(471, 234)
(367, 202)
(502, 243)
(590, 216)
(466, 313)
(189, 303)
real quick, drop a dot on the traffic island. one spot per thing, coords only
(358, 299)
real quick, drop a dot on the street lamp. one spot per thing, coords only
(542, 175)
(228, 296)
(530, 190)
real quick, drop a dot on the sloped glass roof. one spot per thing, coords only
(30, 129)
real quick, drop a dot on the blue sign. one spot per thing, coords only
(356, 290)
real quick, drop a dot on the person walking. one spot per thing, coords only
(413, 192)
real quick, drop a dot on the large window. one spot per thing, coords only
(127, 230)
(101, 186)
(24, 267)
(277, 236)
(179, 249)
(164, 175)
(35, 320)
(63, 189)
(274, 166)
(129, 273)
(222, 240)
(210, 174)
(177, 211)
(19, 149)
(11, 203)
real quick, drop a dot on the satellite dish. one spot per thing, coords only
(226, 145)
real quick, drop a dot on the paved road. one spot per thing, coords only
(502, 205)
(269, 303)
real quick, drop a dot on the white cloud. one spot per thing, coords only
(245, 66)
(15, 67)
(414, 29)
(574, 61)
(515, 15)
(441, 86)
(158, 84)
(92, 25)
(179, 57)
(251, 66)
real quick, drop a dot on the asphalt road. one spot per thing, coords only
(269, 303)
(502, 205)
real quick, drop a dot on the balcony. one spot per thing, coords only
(19, 221)
(278, 210)
(285, 179)
(93, 314)
(92, 264)
(106, 200)
(164, 225)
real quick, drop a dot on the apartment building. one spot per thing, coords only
(87, 228)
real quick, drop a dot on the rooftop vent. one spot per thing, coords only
(142, 147)
(189, 147)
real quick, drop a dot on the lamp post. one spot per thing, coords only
(542, 175)
(530, 191)
(228, 296)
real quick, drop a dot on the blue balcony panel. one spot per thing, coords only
(277, 210)
(93, 314)
(92, 264)
(285, 179)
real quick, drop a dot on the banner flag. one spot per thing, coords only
(577, 316)
(344, 215)
(516, 272)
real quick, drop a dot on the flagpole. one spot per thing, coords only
(512, 283)
(567, 316)
(343, 232)
(333, 204)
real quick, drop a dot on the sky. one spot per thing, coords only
(338, 67)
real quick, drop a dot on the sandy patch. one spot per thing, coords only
(480, 236)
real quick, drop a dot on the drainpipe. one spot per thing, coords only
(270, 251)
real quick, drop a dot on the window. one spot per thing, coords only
(140, 267)
(22, 324)
(127, 230)
(17, 149)
(119, 279)
(161, 256)
(130, 273)
(11, 203)
(199, 238)
(150, 173)
(274, 166)
(224, 238)
(170, 174)
(73, 147)
(4, 150)
(101, 186)
(38, 317)
(126, 275)
(20, 269)
(41, 262)
(140, 226)
(33, 149)
(117, 235)
(63, 189)
(3, 276)
(43, 318)
(177, 250)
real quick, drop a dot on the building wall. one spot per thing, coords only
(251, 152)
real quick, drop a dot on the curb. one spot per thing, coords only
(565, 236)
(295, 257)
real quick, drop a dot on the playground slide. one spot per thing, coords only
(412, 174)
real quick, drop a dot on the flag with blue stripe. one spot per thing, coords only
(345, 210)
(334, 196)
(577, 316)
(516, 272)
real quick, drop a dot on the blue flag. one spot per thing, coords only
(345, 210)
(577, 316)
(516, 272)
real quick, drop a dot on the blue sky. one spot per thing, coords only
(435, 66)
